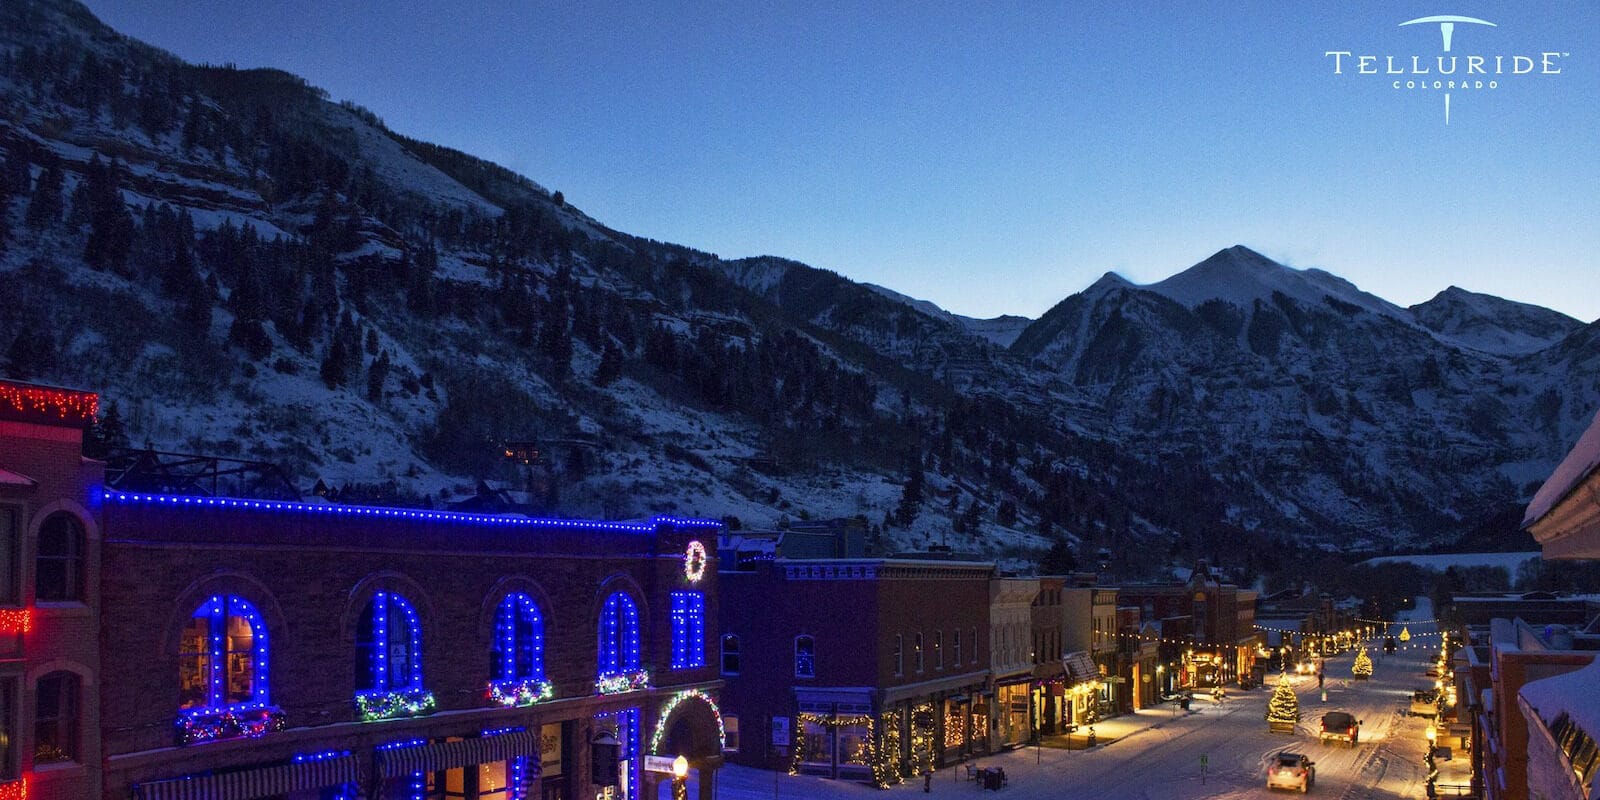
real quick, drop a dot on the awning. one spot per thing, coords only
(1080, 668)
(461, 753)
(255, 783)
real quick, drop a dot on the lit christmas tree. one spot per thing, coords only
(1284, 707)
(1362, 669)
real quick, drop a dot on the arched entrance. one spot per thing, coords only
(689, 724)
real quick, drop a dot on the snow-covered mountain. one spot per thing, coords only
(245, 268)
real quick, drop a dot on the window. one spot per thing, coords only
(518, 640)
(730, 729)
(688, 630)
(974, 644)
(805, 657)
(55, 719)
(899, 654)
(222, 656)
(730, 655)
(8, 729)
(60, 567)
(10, 537)
(619, 635)
(955, 648)
(938, 649)
(388, 645)
(916, 650)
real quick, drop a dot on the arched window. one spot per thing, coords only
(619, 635)
(805, 657)
(59, 571)
(730, 654)
(222, 659)
(388, 645)
(518, 639)
(55, 718)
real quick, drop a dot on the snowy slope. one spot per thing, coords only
(1491, 324)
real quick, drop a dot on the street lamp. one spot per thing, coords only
(680, 778)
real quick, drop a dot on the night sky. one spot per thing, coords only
(992, 158)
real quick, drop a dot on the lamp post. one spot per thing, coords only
(680, 778)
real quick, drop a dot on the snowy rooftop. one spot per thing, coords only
(1583, 459)
(1572, 693)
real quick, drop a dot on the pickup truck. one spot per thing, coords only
(1424, 703)
(1340, 726)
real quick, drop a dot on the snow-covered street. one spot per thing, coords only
(1218, 750)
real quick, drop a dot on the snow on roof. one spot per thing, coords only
(1573, 693)
(1583, 459)
(9, 478)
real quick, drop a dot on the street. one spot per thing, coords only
(1163, 759)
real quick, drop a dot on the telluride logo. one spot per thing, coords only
(1447, 73)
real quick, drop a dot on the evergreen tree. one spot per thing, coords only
(33, 353)
(376, 374)
(105, 434)
(46, 205)
(111, 227)
(1284, 706)
(1059, 559)
(555, 341)
(333, 364)
(610, 368)
(1362, 668)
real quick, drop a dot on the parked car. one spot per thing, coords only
(1424, 703)
(1292, 771)
(1340, 726)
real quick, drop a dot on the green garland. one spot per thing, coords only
(882, 760)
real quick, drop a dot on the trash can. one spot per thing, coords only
(1183, 702)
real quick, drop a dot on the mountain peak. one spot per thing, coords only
(1492, 324)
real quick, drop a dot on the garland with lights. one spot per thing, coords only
(521, 693)
(60, 403)
(376, 706)
(882, 764)
(886, 770)
(921, 738)
(209, 725)
(1362, 668)
(16, 620)
(694, 561)
(672, 704)
(14, 790)
(623, 683)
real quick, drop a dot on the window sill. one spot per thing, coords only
(58, 766)
(63, 608)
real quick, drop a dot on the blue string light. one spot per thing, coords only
(516, 768)
(688, 629)
(230, 711)
(619, 636)
(648, 527)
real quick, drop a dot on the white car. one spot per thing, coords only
(1292, 771)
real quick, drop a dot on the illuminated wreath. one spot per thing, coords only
(694, 561)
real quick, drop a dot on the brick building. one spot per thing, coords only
(311, 651)
(857, 668)
(49, 595)
(1208, 627)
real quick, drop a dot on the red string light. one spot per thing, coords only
(15, 790)
(62, 403)
(15, 620)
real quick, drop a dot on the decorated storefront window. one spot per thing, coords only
(619, 636)
(688, 630)
(389, 660)
(222, 673)
(518, 655)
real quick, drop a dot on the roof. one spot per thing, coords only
(1579, 463)
(9, 478)
(1571, 693)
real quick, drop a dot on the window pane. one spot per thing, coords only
(194, 663)
(241, 665)
(10, 535)
(8, 729)
(56, 718)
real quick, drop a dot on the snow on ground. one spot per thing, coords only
(1439, 562)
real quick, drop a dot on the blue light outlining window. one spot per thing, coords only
(518, 639)
(389, 645)
(619, 635)
(223, 657)
(626, 725)
(688, 629)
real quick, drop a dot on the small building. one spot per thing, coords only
(1011, 661)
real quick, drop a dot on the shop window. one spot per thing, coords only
(805, 657)
(730, 729)
(816, 743)
(55, 718)
(688, 629)
(59, 569)
(854, 744)
(389, 645)
(222, 658)
(518, 640)
(619, 635)
(730, 655)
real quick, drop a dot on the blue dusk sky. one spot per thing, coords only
(992, 157)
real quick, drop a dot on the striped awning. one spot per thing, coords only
(461, 753)
(254, 783)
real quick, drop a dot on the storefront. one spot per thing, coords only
(1012, 720)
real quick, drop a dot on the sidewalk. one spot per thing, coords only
(1114, 729)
